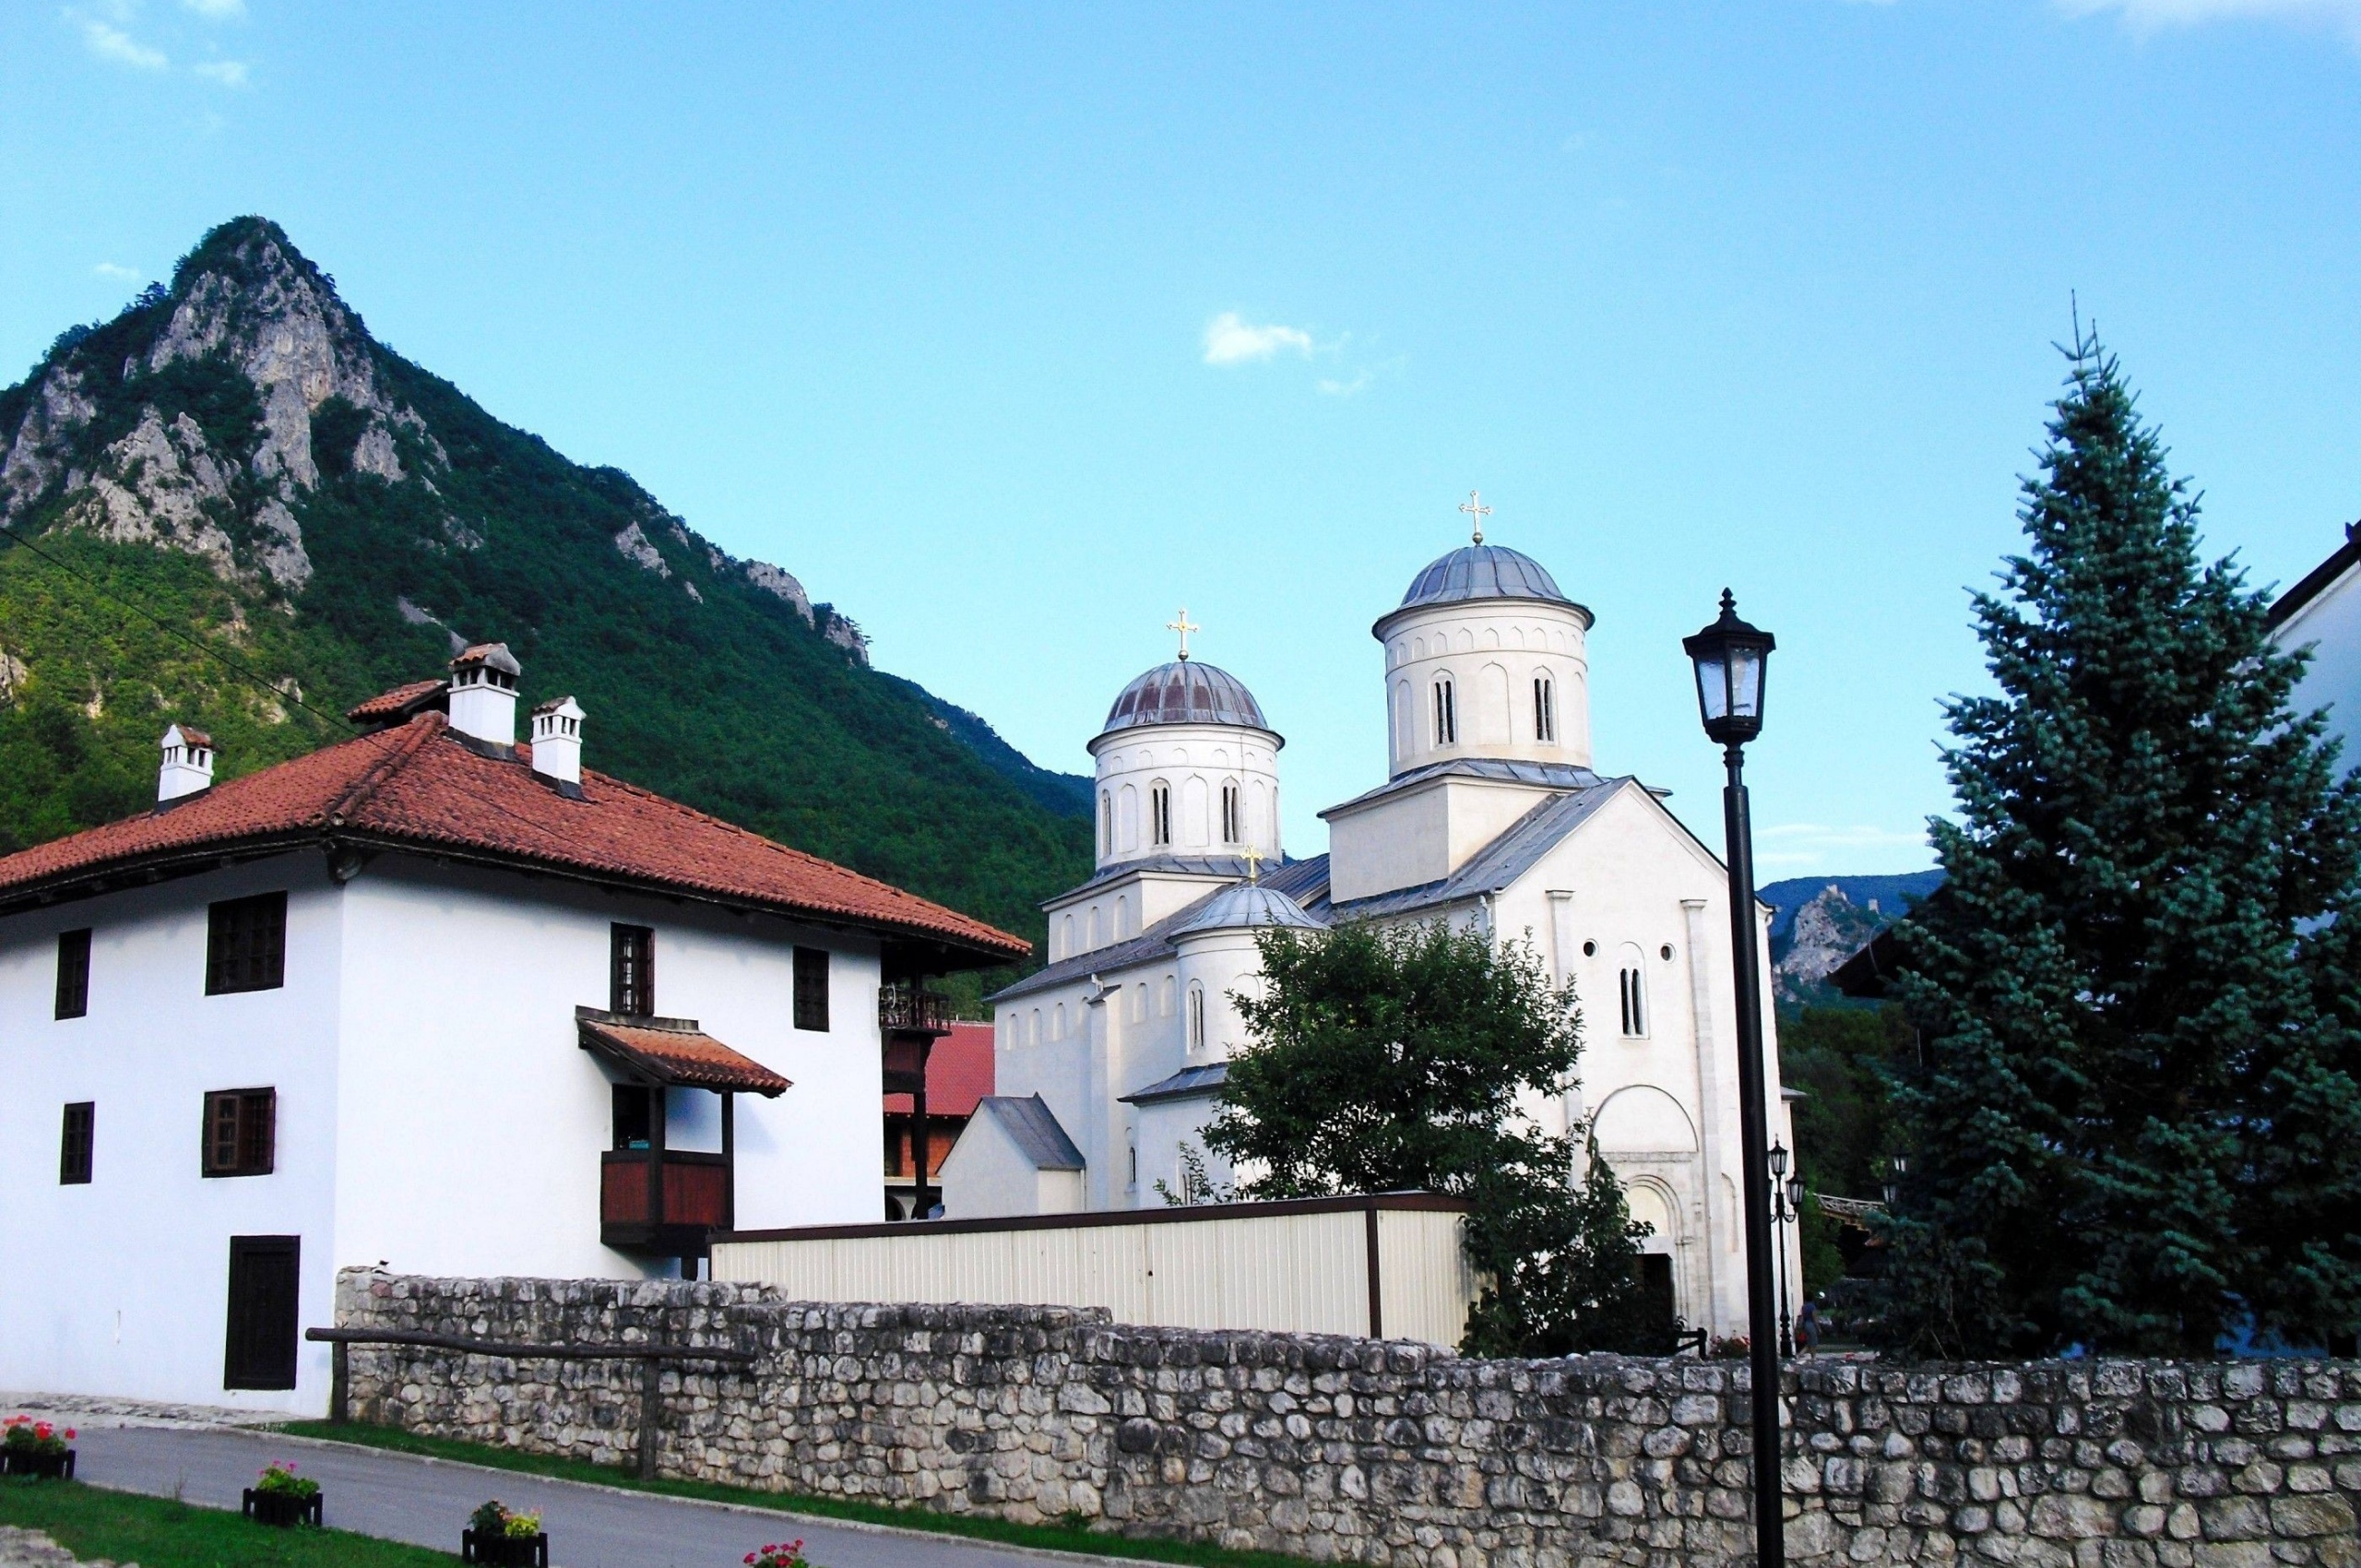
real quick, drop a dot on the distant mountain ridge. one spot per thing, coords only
(1818, 921)
(232, 461)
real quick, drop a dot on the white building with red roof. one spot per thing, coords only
(429, 998)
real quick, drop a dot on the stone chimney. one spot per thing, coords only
(557, 741)
(483, 693)
(188, 764)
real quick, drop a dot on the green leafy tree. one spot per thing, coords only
(2137, 1125)
(1394, 1060)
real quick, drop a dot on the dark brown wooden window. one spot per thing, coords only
(245, 945)
(73, 973)
(74, 1147)
(812, 988)
(631, 971)
(241, 1131)
(266, 1273)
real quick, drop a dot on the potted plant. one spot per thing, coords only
(502, 1539)
(36, 1448)
(789, 1555)
(283, 1497)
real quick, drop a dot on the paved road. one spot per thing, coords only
(402, 1497)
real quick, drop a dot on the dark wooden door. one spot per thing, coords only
(264, 1274)
(1656, 1290)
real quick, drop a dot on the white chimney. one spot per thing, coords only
(188, 764)
(483, 693)
(557, 741)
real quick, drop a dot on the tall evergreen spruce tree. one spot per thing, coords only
(2136, 1120)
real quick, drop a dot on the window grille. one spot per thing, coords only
(73, 973)
(245, 945)
(1446, 714)
(74, 1147)
(631, 971)
(1159, 813)
(1233, 824)
(1633, 996)
(1196, 1018)
(1545, 715)
(812, 989)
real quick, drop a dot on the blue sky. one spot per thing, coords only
(1012, 329)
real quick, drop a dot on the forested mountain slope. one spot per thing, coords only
(234, 461)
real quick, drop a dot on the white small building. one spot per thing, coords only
(2323, 614)
(1492, 818)
(427, 999)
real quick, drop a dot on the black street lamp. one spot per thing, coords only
(1787, 1208)
(1729, 656)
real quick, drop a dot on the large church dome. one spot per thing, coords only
(1482, 571)
(1185, 691)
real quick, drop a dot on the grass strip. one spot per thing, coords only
(1061, 1536)
(156, 1532)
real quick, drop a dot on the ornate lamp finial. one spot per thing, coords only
(1182, 626)
(1476, 511)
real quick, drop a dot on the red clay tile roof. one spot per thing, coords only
(396, 704)
(418, 786)
(958, 1073)
(673, 1051)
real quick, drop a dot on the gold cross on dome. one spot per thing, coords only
(1253, 864)
(1182, 626)
(1475, 509)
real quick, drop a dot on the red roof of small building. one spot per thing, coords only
(396, 704)
(420, 786)
(674, 1051)
(958, 1073)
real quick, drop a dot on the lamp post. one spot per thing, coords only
(1729, 656)
(1787, 1208)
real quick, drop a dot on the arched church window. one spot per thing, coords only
(1544, 710)
(1159, 813)
(1164, 998)
(1106, 823)
(1123, 929)
(1139, 1004)
(1065, 937)
(1060, 1031)
(1035, 1038)
(1632, 994)
(1196, 1016)
(1446, 713)
(1233, 820)
(1097, 926)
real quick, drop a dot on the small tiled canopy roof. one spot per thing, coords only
(674, 1051)
(401, 704)
(419, 788)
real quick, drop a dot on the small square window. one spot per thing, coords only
(74, 1147)
(812, 989)
(73, 973)
(631, 971)
(241, 1131)
(246, 945)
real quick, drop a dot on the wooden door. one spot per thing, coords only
(265, 1272)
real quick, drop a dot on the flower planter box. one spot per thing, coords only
(505, 1551)
(282, 1508)
(48, 1466)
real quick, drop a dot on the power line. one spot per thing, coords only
(170, 630)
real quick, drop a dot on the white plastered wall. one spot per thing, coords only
(1491, 650)
(1193, 761)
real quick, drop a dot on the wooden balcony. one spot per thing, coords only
(906, 1009)
(667, 1211)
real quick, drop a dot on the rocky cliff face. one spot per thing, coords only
(1828, 929)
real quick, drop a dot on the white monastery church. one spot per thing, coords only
(1492, 817)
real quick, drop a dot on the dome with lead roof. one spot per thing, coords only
(1249, 903)
(1185, 691)
(1482, 571)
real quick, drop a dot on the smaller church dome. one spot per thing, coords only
(1246, 904)
(1185, 692)
(1482, 571)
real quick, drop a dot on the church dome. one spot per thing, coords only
(1185, 692)
(1482, 571)
(1247, 904)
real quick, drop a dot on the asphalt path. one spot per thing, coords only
(407, 1498)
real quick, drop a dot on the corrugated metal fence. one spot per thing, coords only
(1389, 1266)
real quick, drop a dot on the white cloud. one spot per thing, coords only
(1229, 340)
(112, 43)
(218, 10)
(2153, 15)
(229, 73)
(1357, 386)
(117, 271)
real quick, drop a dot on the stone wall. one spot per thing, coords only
(1392, 1452)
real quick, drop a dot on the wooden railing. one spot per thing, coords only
(696, 1188)
(907, 1007)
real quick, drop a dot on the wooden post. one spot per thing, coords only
(918, 1139)
(651, 1402)
(340, 1382)
(656, 1154)
(729, 1160)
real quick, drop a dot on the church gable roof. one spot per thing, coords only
(1505, 770)
(1033, 1127)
